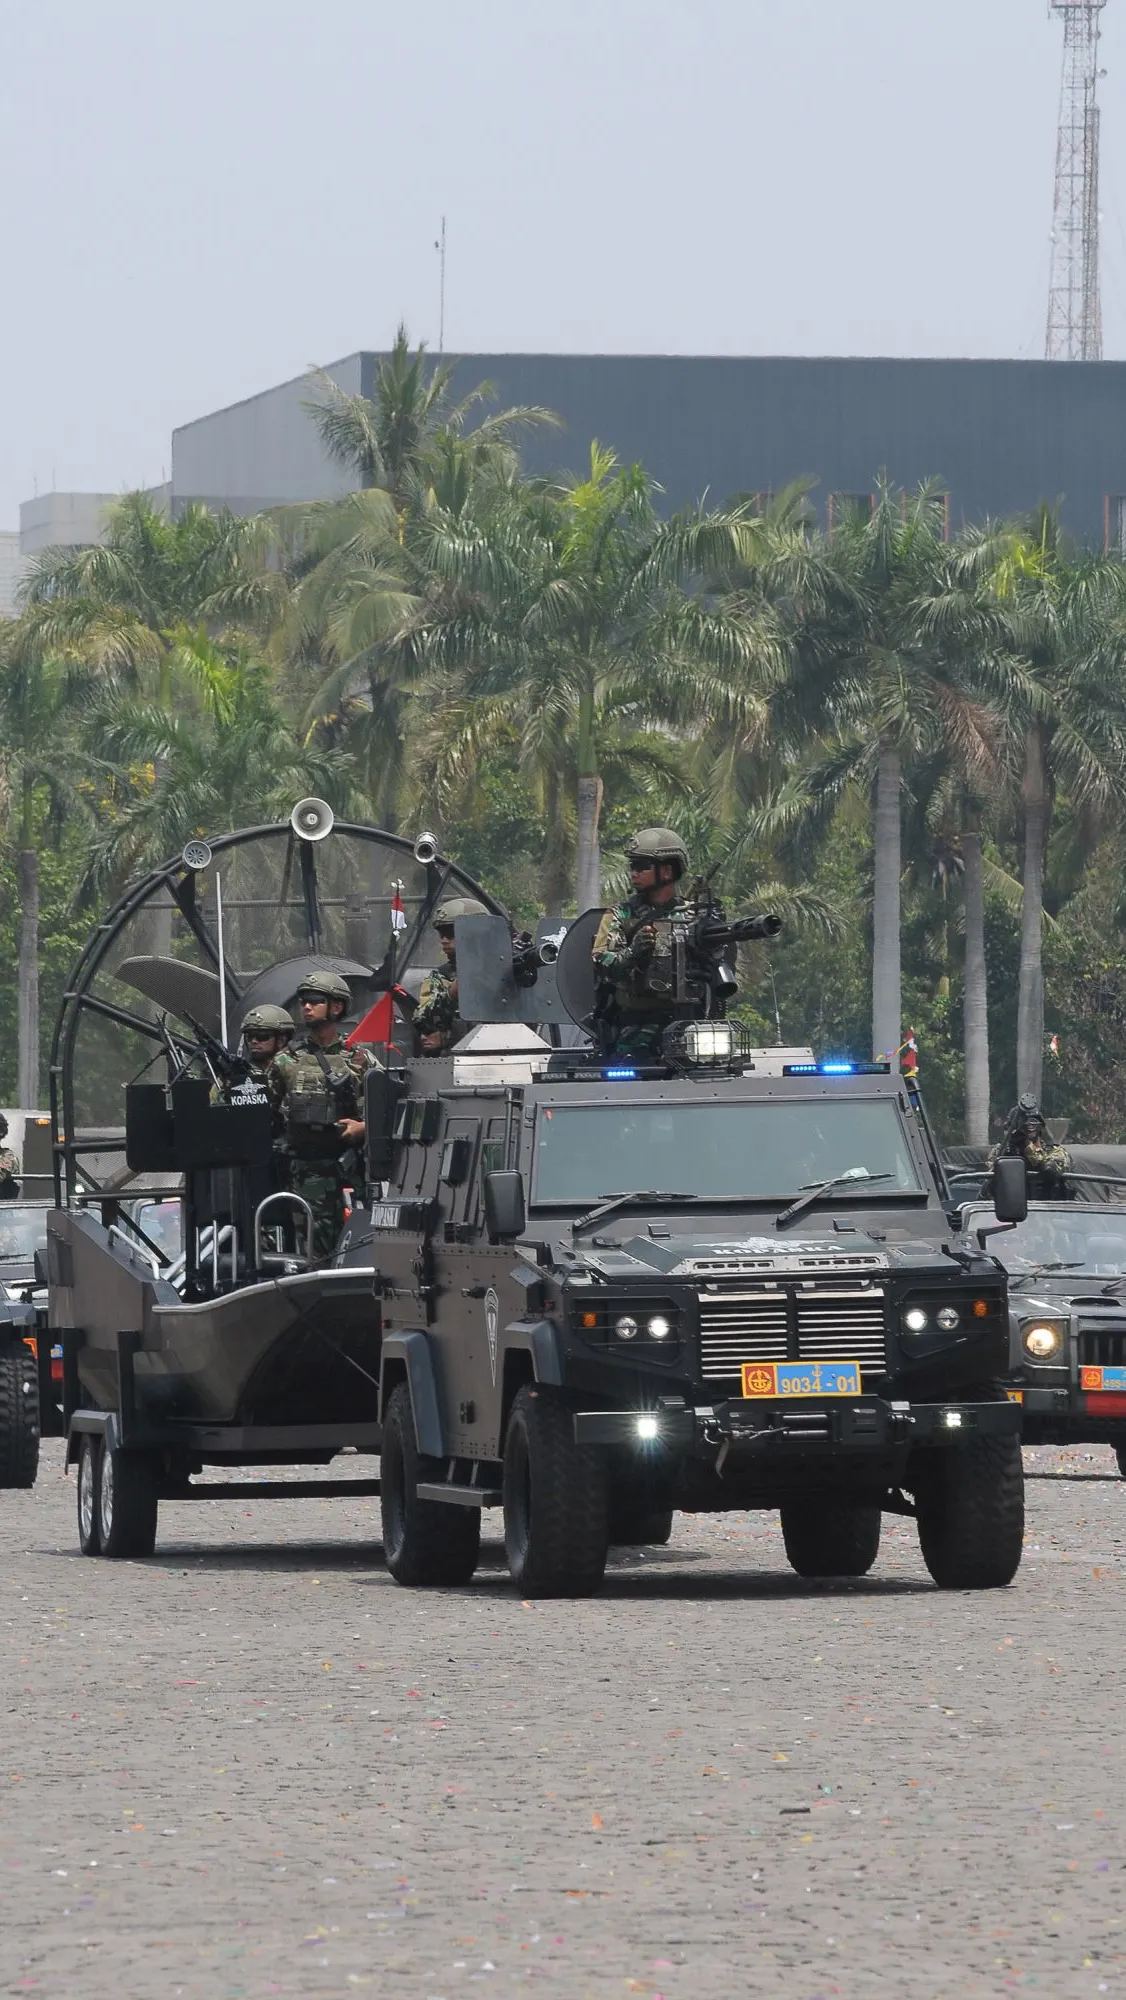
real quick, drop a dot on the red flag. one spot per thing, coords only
(377, 1024)
(398, 913)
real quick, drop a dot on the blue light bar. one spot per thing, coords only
(837, 1069)
(619, 1075)
(799, 1069)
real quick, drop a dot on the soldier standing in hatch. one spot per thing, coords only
(1026, 1138)
(632, 950)
(436, 1017)
(9, 1166)
(266, 1031)
(316, 1089)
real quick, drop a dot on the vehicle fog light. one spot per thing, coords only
(647, 1428)
(981, 1308)
(626, 1328)
(588, 1319)
(1042, 1342)
(915, 1320)
(658, 1328)
(948, 1318)
(952, 1419)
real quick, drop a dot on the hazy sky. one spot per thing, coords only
(201, 200)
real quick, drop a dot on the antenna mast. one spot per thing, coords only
(1075, 326)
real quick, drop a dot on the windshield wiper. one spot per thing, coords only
(1038, 1270)
(818, 1188)
(610, 1202)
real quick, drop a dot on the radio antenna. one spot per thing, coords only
(222, 959)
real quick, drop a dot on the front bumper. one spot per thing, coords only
(837, 1424)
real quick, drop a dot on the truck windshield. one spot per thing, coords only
(1090, 1239)
(23, 1231)
(724, 1152)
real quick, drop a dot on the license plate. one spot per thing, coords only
(1103, 1378)
(1015, 1395)
(801, 1378)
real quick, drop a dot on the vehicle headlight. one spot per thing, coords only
(915, 1319)
(1042, 1341)
(626, 1328)
(658, 1327)
(948, 1317)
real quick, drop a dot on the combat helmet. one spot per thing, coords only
(447, 913)
(659, 843)
(267, 1020)
(322, 984)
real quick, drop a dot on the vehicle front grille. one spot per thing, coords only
(787, 1326)
(1103, 1346)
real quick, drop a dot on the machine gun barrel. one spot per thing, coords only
(528, 954)
(717, 936)
(227, 1068)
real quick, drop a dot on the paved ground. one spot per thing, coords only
(254, 1766)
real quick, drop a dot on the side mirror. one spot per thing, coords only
(506, 1211)
(1010, 1190)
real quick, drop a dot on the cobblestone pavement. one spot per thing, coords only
(254, 1766)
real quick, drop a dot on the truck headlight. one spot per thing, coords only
(658, 1327)
(1042, 1341)
(948, 1317)
(915, 1319)
(626, 1328)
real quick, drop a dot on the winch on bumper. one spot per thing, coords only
(863, 1424)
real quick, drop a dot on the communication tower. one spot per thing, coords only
(1075, 328)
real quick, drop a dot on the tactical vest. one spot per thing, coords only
(320, 1088)
(649, 987)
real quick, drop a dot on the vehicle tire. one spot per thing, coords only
(127, 1503)
(89, 1469)
(19, 1417)
(1120, 1455)
(425, 1542)
(556, 1500)
(830, 1536)
(970, 1505)
(639, 1527)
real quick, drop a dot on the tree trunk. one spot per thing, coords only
(1036, 795)
(886, 980)
(27, 1082)
(975, 995)
(554, 874)
(588, 859)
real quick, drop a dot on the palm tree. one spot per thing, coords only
(1066, 619)
(400, 438)
(571, 603)
(222, 752)
(41, 762)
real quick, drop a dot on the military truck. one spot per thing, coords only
(30, 1363)
(1066, 1265)
(722, 1281)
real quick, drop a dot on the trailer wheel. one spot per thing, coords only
(89, 1453)
(639, 1527)
(970, 1505)
(19, 1417)
(425, 1542)
(829, 1536)
(556, 1500)
(127, 1503)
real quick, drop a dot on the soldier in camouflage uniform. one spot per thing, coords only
(9, 1166)
(436, 1018)
(1026, 1138)
(634, 1001)
(266, 1031)
(316, 1089)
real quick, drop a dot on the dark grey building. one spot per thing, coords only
(998, 435)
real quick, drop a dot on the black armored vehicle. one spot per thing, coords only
(1067, 1304)
(728, 1280)
(30, 1365)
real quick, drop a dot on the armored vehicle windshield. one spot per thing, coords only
(1054, 1239)
(735, 1151)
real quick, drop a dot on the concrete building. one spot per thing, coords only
(999, 436)
(11, 569)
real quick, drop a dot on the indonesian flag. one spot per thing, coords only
(1054, 1047)
(398, 914)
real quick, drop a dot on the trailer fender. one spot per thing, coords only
(407, 1355)
(17, 1321)
(91, 1423)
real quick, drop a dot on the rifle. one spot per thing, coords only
(224, 1067)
